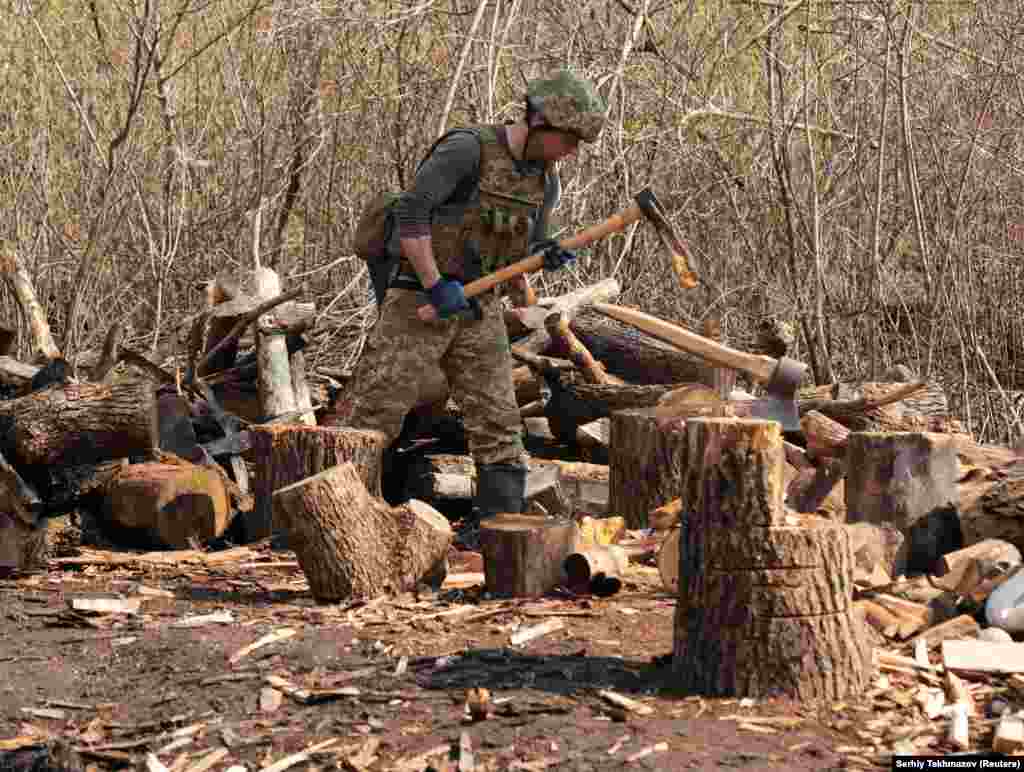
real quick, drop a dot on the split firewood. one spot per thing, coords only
(564, 341)
(81, 423)
(879, 617)
(569, 305)
(666, 516)
(524, 556)
(961, 708)
(963, 626)
(982, 656)
(951, 567)
(826, 438)
(912, 616)
(173, 504)
(352, 545)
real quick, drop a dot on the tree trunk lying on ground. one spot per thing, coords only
(352, 545)
(81, 423)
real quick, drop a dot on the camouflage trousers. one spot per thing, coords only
(474, 356)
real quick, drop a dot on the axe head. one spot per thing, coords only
(675, 247)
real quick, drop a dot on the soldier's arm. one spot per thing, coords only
(456, 158)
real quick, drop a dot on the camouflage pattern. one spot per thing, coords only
(475, 357)
(569, 103)
(498, 228)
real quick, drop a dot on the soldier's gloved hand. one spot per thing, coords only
(554, 256)
(448, 298)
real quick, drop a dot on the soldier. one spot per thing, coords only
(481, 200)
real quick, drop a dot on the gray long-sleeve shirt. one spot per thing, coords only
(451, 175)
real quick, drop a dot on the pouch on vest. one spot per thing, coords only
(375, 242)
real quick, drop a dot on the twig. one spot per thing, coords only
(477, 18)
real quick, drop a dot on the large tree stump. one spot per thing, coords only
(910, 480)
(287, 453)
(172, 504)
(524, 555)
(765, 598)
(352, 545)
(81, 423)
(644, 465)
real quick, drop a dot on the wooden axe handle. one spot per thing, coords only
(759, 367)
(614, 224)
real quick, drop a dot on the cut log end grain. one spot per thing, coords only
(524, 555)
(351, 544)
(175, 504)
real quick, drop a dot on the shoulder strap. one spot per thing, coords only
(474, 131)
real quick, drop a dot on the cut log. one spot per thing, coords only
(992, 510)
(764, 608)
(448, 476)
(636, 357)
(351, 545)
(22, 547)
(883, 407)
(950, 568)
(645, 465)
(287, 453)
(596, 569)
(13, 269)
(81, 423)
(574, 402)
(826, 438)
(173, 505)
(909, 479)
(524, 556)
(569, 304)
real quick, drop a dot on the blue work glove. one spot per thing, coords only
(554, 256)
(448, 298)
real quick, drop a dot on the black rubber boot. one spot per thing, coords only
(499, 488)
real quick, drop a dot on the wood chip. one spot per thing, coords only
(649, 750)
(418, 762)
(51, 713)
(270, 699)
(129, 606)
(528, 634)
(201, 620)
(297, 758)
(209, 760)
(625, 703)
(466, 761)
(278, 635)
(618, 745)
(311, 696)
(153, 764)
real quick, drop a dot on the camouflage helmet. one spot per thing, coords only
(568, 103)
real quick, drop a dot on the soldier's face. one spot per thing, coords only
(551, 144)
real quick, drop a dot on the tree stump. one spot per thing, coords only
(351, 544)
(765, 598)
(644, 465)
(910, 480)
(524, 555)
(173, 504)
(287, 453)
(81, 423)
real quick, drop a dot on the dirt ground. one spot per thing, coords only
(393, 677)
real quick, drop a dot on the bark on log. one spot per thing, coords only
(174, 505)
(352, 545)
(867, 406)
(22, 547)
(765, 608)
(524, 555)
(910, 480)
(574, 402)
(991, 510)
(277, 393)
(569, 304)
(81, 423)
(950, 569)
(287, 453)
(13, 269)
(636, 357)
(17, 497)
(644, 465)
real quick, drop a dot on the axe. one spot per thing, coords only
(781, 377)
(645, 206)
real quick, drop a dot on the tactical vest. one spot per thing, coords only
(472, 240)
